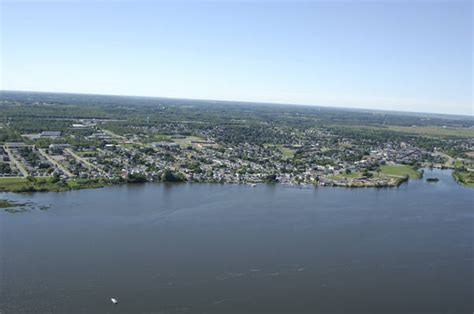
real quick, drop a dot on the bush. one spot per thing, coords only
(136, 178)
(170, 176)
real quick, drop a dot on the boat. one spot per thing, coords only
(253, 185)
(114, 301)
(433, 179)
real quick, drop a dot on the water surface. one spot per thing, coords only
(203, 248)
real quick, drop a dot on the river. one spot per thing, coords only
(210, 248)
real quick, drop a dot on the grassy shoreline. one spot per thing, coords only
(465, 178)
(394, 175)
(48, 184)
(23, 185)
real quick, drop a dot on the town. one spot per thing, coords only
(96, 150)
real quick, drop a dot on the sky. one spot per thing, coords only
(392, 55)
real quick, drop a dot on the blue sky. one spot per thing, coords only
(396, 55)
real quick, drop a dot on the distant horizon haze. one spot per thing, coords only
(265, 103)
(408, 56)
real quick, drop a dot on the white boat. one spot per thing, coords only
(114, 301)
(253, 185)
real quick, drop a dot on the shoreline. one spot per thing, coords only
(44, 185)
(464, 178)
(24, 185)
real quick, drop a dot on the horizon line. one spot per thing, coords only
(471, 115)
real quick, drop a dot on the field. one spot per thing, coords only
(434, 131)
(160, 137)
(77, 183)
(25, 185)
(46, 184)
(286, 152)
(343, 175)
(464, 177)
(131, 145)
(400, 171)
(428, 131)
(8, 184)
(185, 142)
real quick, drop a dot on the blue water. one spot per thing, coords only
(204, 248)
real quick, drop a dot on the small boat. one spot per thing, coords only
(114, 301)
(433, 179)
(253, 185)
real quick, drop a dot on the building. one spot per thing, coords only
(50, 134)
(99, 135)
(200, 143)
(57, 148)
(80, 126)
(15, 144)
(164, 144)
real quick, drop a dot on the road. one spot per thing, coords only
(16, 162)
(449, 160)
(56, 163)
(113, 134)
(84, 161)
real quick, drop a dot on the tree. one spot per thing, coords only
(271, 178)
(367, 174)
(55, 178)
(31, 179)
(136, 178)
(170, 176)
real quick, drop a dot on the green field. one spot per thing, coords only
(161, 137)
(464, 177)
(185, 142)
(286, 152)
(47, 184)
(343, 175)
(11, 183)
(435, 131)
(418, 130)
(400, 171)
(345, 145)
(21, 184)
(131, 145)
(11, 180)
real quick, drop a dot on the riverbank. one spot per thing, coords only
(48, 184)
(391, 182)
(465, 177)
(385, 176)
(24, 185)
(388, 177)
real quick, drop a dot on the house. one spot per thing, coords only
(164, 144)
(203, 143)
(50, 134)
(15, 144)
(81, 126)
(99, 135)
(57, 148)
